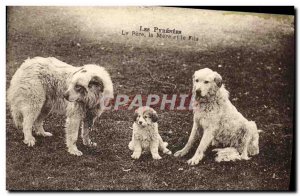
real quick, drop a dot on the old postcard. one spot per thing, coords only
(149, 98)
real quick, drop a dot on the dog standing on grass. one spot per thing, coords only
(145, 134)
(222, 124)
(46, 85)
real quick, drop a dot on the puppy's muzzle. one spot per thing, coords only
(66, 96)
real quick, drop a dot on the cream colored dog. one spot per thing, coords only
(222, 124)
(145, 134)
(44, 85)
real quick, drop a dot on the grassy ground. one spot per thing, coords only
(258, 70)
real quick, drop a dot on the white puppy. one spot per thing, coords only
(44, 85)
(222, 124)
(145, 134)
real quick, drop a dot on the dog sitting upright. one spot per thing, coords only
(145, 134)
(222, 124)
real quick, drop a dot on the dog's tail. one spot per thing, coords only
(17, 117)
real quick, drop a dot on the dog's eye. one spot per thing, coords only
(146, 117)
(197, 80)
(93, 83)
(78, 87)
(206, 82)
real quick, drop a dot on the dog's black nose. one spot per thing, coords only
(140, 122)
(198, 92)
(66, 96)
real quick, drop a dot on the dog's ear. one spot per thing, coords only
(218, 79)
(96, 82)
(153, 115)
(135, 115)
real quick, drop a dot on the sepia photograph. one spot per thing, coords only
(150, 98)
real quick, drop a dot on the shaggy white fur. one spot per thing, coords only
(44, 85)
(222, 124)
(145, 134)
(227, 154)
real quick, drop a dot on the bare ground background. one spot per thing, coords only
(253, 52)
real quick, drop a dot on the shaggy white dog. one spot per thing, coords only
(145, 134)
(222, 124)
(44, 85)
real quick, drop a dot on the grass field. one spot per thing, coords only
(254, 55)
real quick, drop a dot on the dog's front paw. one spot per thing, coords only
(180, 153)
(167, 151)
(29, 141)
(130, 146)
(136, 155)
(89, 143)
(75, 151)
(45, 134)
(156, 156)
(245, 157)
(195, 160)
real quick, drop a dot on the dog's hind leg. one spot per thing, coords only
(29, 116)
(244, 154)
(17, 116)
(253, 148)
(246, 141)
(40, 120)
